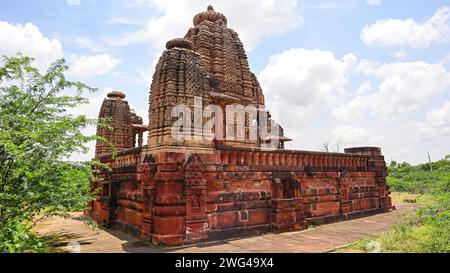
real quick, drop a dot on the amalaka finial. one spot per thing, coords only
(116, 94)
(210, 15)
(180, 43)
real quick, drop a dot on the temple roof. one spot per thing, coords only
(209, 15)
(116, 94)
(180, 43)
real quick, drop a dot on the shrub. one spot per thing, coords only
(37, 137)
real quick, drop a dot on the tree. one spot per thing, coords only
(37, 137)
(326, 147)
(393, 164)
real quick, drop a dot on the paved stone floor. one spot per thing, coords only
(72, 234)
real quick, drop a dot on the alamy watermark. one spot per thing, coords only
(249, 123)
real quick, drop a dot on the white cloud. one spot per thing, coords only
(118, 20)
(402, 152)
(364, 88)
(303, 77)
(31, 42)
(440, 117)
(137, 3)
(304, 84)
(409, 32)
(329, 5)
(87, 43)
(404, 88)
(91, 110)
(351, 136)
(437, 124)
(141, 75)
(89, 66)
(73, 2)
(446, 60)
(268, 17)
(373, 2)
(401, 54)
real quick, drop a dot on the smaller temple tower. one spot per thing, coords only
(126, 125)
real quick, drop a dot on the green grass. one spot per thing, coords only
(405, 238)
(421, 199)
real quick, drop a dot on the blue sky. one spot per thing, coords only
(350, 72)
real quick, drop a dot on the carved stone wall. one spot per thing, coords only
(179, 198)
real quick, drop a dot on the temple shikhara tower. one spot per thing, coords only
(192, 182)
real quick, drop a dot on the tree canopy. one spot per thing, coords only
(37, 138)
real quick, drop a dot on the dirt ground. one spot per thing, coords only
(77, 234)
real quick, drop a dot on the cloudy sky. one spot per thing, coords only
(349, 72)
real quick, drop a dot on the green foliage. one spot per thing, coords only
(423, 178)
(37, 137)
(15, 237)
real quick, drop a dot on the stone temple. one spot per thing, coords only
(204, 186)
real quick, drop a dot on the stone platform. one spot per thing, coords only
(324, 238)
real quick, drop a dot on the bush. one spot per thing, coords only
(423, 178)
(16, 238)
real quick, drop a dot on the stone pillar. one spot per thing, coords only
(195, 195)
(169, 205)
(140, 139)
(146, 176)
(345, 202)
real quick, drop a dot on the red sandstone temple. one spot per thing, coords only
(176, 192)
